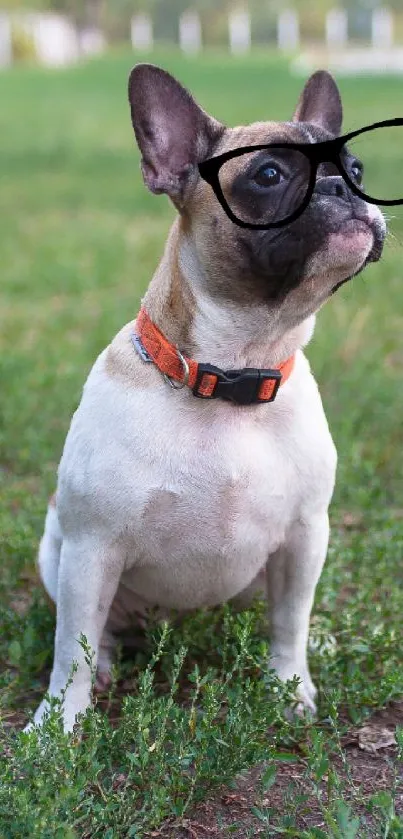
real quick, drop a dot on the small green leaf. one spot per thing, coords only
(14, 653)
(259, 814)
(268, 777)
(348, 826)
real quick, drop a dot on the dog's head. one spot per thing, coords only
(297, 266)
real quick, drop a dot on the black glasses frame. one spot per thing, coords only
(327, 151)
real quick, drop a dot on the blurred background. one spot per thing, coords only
(57, 32)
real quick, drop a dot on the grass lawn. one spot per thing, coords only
(79, 240)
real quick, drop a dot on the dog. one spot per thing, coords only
(169, 502)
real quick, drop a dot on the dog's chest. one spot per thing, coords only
(208, 519)
(197, 494)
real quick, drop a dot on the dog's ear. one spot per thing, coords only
(320, 103)
(173, 133)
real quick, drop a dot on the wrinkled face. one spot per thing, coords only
(333, 239)
(296, 266)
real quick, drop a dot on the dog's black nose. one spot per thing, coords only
(334, 186)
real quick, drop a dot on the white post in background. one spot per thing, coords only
(55, 40)
(336, 28)
(5, 41)
(239, 31)
(288, 30)
(142, 32)
(190, 35)
(382, 28)
(92, 41)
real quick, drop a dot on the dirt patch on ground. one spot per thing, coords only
(366, 765)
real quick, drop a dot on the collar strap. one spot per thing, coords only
(244, 387)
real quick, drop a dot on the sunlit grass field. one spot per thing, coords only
(80, 238)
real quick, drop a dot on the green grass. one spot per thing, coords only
(79, 240)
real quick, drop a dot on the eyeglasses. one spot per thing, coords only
(267, 186)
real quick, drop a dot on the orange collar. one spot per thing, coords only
(244, 387)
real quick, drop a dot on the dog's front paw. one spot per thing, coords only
(70, 703)
(68, 714)
(308, 686)
(39, 716)
(306, 691)
(306, 704)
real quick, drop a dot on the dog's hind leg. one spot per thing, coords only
(49, 551)
(89, 573)
(106, 658)
(127, 623)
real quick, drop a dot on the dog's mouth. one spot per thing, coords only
(377, 227)
(357, 230)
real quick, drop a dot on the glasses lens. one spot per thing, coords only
(265, 186)
(375, 161)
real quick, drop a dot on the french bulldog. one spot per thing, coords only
(183, 482)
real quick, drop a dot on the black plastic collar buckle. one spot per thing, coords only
(239, 386)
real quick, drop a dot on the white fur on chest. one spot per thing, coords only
(198, 494)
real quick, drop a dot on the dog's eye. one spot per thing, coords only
(357, 171)
(268, 175)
